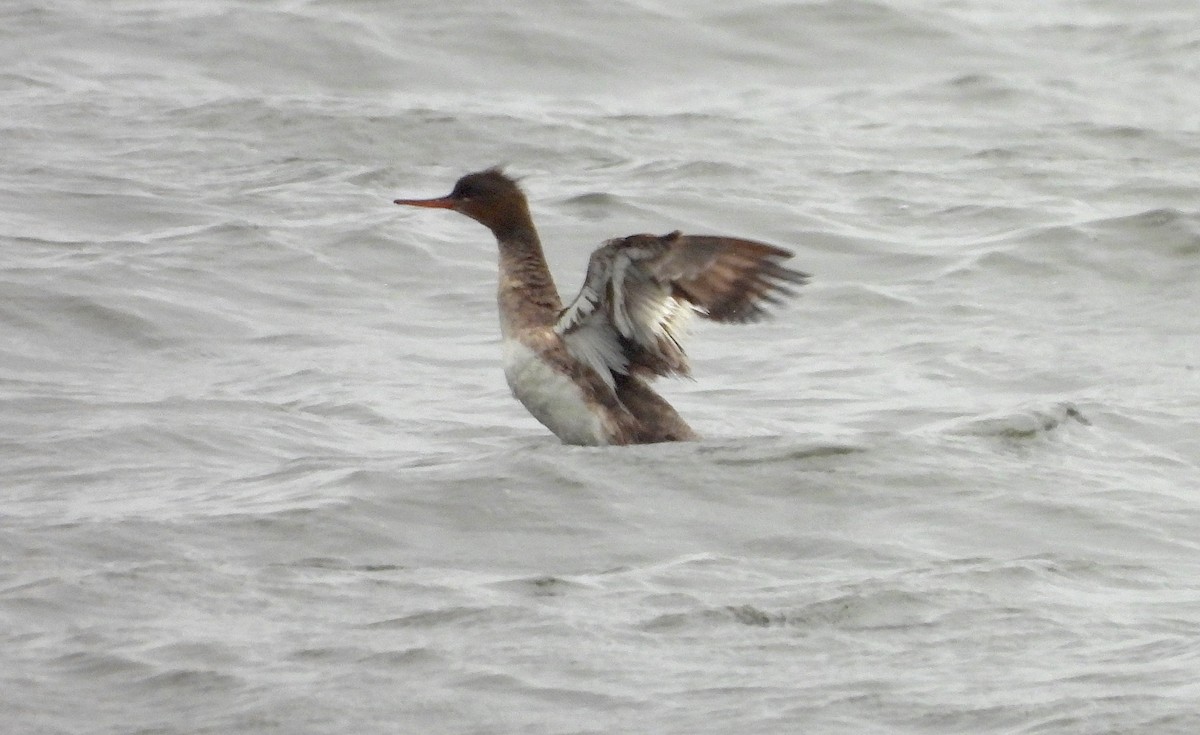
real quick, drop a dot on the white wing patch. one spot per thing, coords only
(622, 309)
(640, 291)
(591, 339)
(594, 343)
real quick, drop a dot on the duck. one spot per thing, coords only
(583, 369)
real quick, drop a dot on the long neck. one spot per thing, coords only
(527, 295)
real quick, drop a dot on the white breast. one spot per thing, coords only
(552, 398)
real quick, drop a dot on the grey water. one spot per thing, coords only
(261, 472)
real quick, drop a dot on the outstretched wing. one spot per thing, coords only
(632, 312)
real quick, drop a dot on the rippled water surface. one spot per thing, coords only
(262, 473)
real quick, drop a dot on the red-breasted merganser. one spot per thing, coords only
(582, 370)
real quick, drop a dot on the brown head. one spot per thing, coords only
(489, 197)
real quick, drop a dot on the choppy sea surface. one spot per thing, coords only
(261, 472)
